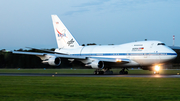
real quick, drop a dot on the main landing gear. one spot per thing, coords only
(123, 71)
(98, 72)
(102, 71)
(107, 71)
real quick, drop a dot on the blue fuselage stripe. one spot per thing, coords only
(122, 54)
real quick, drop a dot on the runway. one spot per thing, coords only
(86, 75)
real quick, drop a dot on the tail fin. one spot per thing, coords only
(63, 36)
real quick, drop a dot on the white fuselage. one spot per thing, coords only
(143, 53)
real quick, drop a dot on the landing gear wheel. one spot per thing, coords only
(102, 72)
(155, 73)
(98, 72)
(95, 72)
(123, 71)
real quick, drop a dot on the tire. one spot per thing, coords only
(120, 72)
(95, 72)
(98, 72)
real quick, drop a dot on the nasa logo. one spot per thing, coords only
(60, 34)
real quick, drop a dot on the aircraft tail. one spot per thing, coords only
(63, 36)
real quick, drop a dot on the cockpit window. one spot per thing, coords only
(161, 44)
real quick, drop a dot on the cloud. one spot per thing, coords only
(115, 6)
(85, 7)
(76, 11)
(93, 3)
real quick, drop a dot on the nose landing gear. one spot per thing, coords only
(156, 69)
(155, 72)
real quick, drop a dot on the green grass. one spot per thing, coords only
(47, 71)
(21, 88)
(82, 71)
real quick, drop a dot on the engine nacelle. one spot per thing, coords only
(97, 64)
(53, 61)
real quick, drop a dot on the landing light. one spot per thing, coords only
(157, 68)
(118, 60)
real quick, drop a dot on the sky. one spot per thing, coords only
(28, 23)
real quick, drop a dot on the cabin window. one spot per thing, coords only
(161, 44)
(138, 45)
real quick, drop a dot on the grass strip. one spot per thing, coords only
(88, 89)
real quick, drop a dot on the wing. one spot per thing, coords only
(47, 51)
(54, 59)
(61, 55)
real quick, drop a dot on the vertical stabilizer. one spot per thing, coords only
(63, 36)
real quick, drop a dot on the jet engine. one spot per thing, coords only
(53, 61)
(97, 64)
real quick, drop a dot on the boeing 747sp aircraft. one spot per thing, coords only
(148, 55)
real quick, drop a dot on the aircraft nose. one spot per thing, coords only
(174, 55)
